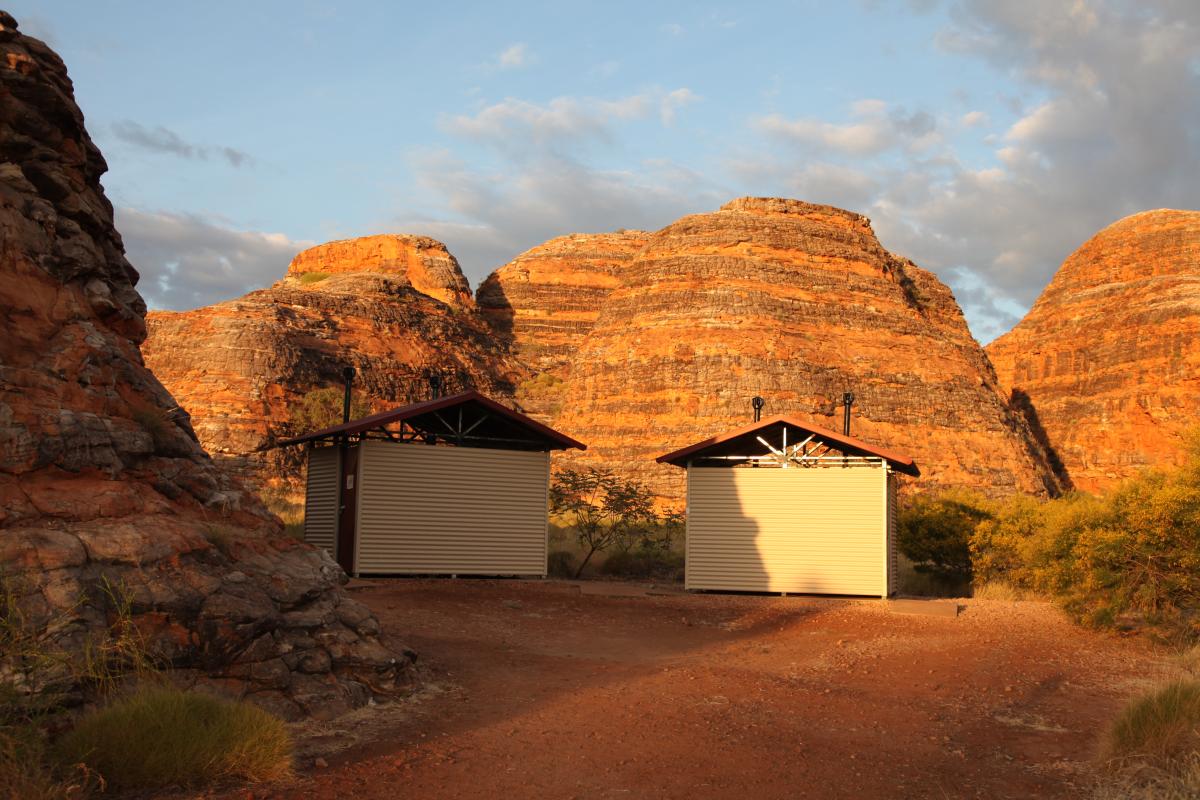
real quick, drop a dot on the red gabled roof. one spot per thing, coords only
(898, 462)
(553, 439)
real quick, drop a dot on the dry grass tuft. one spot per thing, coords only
(1160, 726)
(288, 505)
(26, 775)
(1000, 590)
(1153, 748)
(1182, 782)
(165, 737)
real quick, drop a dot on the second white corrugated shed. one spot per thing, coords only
(786, 506)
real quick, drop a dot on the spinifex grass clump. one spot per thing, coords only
(165, 737)
(1153, 747)
(1159, 727)
(27, 774)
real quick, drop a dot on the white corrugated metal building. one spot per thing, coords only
(453, 486)
(786, 506)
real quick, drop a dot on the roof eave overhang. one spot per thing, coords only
(554, 439)
(682, 456)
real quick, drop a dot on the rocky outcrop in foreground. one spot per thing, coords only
(105, 493)
(797, 303)
(1108, 358)
(396, 308)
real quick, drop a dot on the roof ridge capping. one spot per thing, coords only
(403, 413)
(901, 463)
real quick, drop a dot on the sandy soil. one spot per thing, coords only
(538, 690)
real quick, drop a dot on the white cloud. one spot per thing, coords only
(542, 186)
(1115, 130)
(673, 101)
(186, 260)
(518, 126)
(672, 28)
(876, 129)
(974, 119)
(494, 214)
(515, 56)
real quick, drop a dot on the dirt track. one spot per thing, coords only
(539, 691)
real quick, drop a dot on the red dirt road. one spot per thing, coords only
(539, 691)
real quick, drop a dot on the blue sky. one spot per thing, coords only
(986, 140)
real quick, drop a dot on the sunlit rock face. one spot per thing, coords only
(797, 303)
(396, 308)
(105, 492)
(544, 302)
(1109, 355)
(425, 264)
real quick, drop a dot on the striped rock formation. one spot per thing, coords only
(424, 263)
(105, 494)
(797, 303)
(397, 309)
(1108, 358)
(543, 302)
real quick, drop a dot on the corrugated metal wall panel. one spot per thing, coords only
(452, 510)
(893, 521)
(819, 530)
(321, 498)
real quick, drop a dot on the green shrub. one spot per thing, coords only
(288, 505)
(322, 408)
(643, 564)
(604, 509)
(561, 564)
(545, 388)
(313, 277)
(163, 737)
(1131, 556)
(155, 422)
(934, 532)
(998, 543)
(1159, 727)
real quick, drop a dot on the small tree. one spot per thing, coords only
(934, 532)
(602, 508)
(322, 408)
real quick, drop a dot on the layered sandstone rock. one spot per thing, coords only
(542, 303)
(1109, 355)
(797, 303)
(425, 264)
(244, 364)
(104, 491)
(547, 299)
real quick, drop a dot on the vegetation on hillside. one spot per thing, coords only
(322, 408)
(545, 389)
(1128, 558)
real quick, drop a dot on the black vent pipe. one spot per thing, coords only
(348, 376)
(757, 403)
(847, 401)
